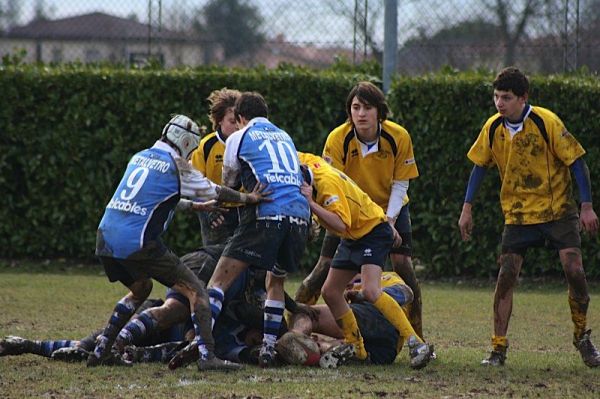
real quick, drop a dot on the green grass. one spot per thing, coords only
(68, 301)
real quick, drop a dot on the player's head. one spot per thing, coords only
(368, 94)
(183, 134)
(221, 112)
(512, 79)
(511, 90)
(250, 105)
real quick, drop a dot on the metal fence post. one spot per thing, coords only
(390, 42)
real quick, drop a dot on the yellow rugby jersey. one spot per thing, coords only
(208, 159)
(375, 172)
(388, 279)
(337, 193)
(533, 166)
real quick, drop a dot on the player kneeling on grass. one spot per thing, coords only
(344, 209)
(129, 242)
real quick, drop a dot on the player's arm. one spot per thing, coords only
(465, 222)
(330, 220)
(588, 218)
(195, 185)
(260, 193)
(397, 194)
(231, 164)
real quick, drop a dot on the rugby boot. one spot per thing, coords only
(420, 353)
(104, 355)
(70, 355)
(496, 359)
(266, 356)
(113, 358)
(158, 353)
(337, 356)
(588, 351)
(214, 363)
(186, 356)
(12, 345)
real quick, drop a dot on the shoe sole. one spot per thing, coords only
(184, 358)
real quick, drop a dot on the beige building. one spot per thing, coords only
(98, 37)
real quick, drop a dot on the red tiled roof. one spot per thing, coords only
(97, 26)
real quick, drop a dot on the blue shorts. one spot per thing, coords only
(372, 249)
(379, 335)
(403, 226)
(275, 244)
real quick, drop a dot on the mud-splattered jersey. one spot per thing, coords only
(533, 164)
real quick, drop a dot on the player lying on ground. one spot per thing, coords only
(157, 332)
(382, 341)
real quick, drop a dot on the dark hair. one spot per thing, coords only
(251, 105)
(511, 79)
(220, 101)
(368, 93)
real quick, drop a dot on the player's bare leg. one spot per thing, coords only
(579, 300)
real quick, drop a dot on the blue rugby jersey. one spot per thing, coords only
(267, 154)
(143, 205)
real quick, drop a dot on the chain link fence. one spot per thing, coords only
(544, 36)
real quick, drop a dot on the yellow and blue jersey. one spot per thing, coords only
(374, 172)
(533, 164)
(339, 194)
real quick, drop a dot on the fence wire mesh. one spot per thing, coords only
(542, 36)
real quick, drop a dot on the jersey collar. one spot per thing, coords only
(516, 127)
(220, 136)
(161, 145)
(258, 119)
(367, 148)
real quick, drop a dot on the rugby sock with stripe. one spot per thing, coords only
(202, 349)
(136, 330)
(123, 311)
(45, 348)
(393, 313)
(352, 334)
(272, 321)
(216, 296)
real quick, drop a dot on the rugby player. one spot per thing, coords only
(271, 235)
(378, 155)
(217, 227)
(382, 340)
(534, 153)
(366, 238)
(129, 243)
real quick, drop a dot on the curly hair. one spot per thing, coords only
(220, 101)
(512, 79)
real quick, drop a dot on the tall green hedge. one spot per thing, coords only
(444, 114)
(67, 133)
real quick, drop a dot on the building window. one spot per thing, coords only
(57, 54)
(92, 55)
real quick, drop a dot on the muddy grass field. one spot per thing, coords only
(54, 301)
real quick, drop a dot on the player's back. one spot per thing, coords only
(268, 155)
